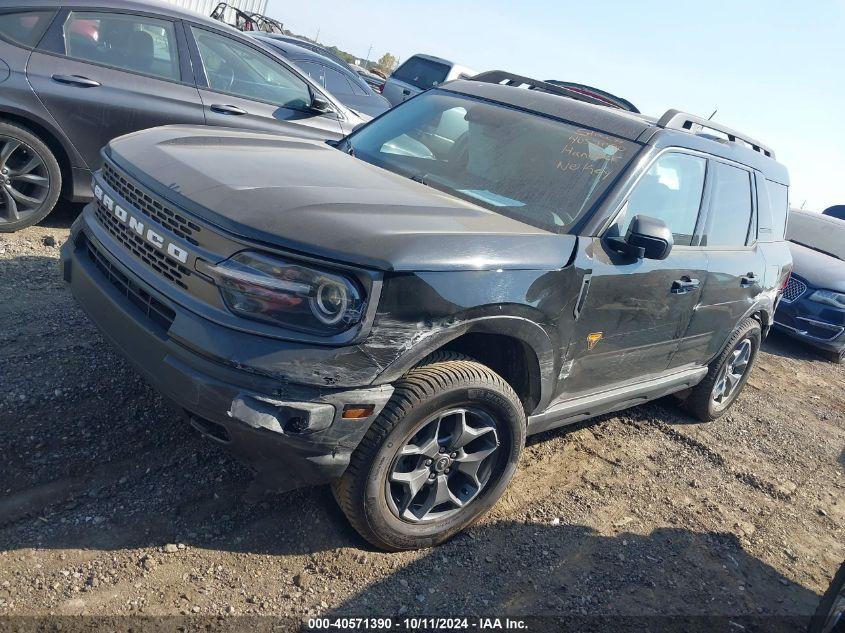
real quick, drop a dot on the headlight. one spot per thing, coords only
(276, 291)
(835, 299)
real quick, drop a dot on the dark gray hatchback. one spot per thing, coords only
(395, 312)
(74, 74)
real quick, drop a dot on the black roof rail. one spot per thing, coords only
(509, 79)
(677, 120)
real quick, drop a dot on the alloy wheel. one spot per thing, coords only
(732, 373)
(444, 466)
(24, 180)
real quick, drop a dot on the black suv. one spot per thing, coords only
(395, 312)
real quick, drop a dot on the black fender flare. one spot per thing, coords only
(539, 339)
(763, 305)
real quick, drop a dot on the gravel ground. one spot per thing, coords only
(110, 505)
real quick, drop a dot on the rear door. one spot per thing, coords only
(103, 73)
(242, 86)
(736, 266)
(634, 312)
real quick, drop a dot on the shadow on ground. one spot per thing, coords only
(63, 215)
(516, 569)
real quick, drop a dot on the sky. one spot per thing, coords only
(774, 69)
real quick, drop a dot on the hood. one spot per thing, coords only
(307, 196)
(818, 269)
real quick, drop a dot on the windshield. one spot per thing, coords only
(537, 170)
(821, 233)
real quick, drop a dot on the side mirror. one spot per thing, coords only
(647, 238)
(321, 105)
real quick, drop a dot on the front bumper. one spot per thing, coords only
(816, 324)
(292, 435)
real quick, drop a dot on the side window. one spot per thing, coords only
(730, 207)
(671, 191)
(236, 68)
(337, 83)
(129, 42)
(313, 70)
(359, 87)
(26, 27)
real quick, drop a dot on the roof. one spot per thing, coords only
(145, 6)
(617, 122)
(666, 131)
(295, 52)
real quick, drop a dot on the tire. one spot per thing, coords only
(835, 357)
(701, 401)
(27, 196)
(428, 397)
(824, 619)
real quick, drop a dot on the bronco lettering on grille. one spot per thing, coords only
(136, 225)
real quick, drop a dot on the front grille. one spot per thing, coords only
(143, 250)
(175, 222)
(155, 310)
(794, 289)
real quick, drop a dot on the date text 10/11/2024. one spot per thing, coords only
(416, 623)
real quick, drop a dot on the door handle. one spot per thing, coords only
(75, 80)
(749, 280)
(684, 285)
(228, 109)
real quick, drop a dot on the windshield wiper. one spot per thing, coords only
(421, 178)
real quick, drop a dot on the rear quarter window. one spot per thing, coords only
(25, 27)
(779, 204)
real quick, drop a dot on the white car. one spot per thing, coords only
(421, 72)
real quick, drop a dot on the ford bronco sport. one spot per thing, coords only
(395, 312)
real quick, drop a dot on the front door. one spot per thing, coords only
(634, 312)
(736, 268)
(108, 73)
(241, 86)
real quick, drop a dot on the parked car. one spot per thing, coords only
(397, 324)
(345, 84)
(82, 72)
(374, 79)
(813, 305)
(375, 82)
(421, 72)
(836, 211)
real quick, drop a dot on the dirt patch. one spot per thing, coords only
(111, 505)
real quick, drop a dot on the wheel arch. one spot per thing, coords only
(52, 138)
(518, 349)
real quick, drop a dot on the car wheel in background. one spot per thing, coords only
(836, 357)
(727, 374)
(30, 178)
(439, 456)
